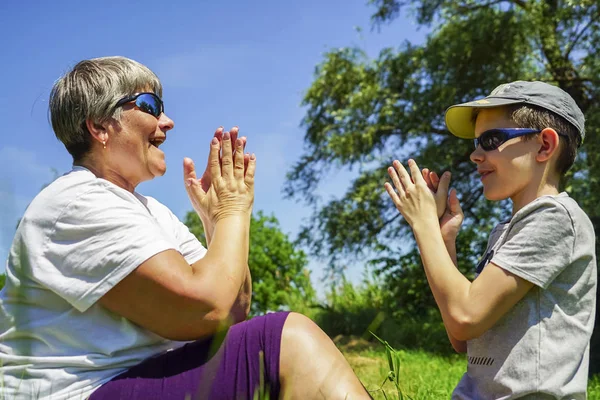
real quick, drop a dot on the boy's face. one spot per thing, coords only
(507, 170)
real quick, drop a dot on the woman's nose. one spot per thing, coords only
(165, 123)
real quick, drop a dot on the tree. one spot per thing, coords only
(280, 278)
(363, 113)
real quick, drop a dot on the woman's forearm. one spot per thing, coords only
(225, 266)
(208, 231)
(241, 307)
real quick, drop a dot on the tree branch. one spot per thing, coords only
(519, 3)
(392, 219)
(438, 131)
(580, 34)
(479, 6)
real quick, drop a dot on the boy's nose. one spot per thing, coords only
(478, 155)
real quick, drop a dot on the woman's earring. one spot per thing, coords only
(104, 144)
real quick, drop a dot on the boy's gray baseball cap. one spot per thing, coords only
(459, 117)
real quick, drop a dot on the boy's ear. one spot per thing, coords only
(548, 140)
(98, 131)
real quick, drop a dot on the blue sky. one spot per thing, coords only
(245, 63)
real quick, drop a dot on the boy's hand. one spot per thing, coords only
(412, 197)
(452, 219)
(439, 188)
(452, 214)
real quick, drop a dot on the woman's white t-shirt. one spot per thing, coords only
(78, 238)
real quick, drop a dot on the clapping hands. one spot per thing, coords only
(423, 195)
(227, 185)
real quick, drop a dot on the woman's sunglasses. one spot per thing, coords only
(493, 138)
(147, 102)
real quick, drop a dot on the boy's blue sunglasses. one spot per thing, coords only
(146, 101)
(493, 138)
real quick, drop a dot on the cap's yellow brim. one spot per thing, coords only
(459, 117)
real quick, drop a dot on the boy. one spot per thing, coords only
(527, 318)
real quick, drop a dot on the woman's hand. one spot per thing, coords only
(412, 197)
(452, 215)
(205, 179)
(227, 187)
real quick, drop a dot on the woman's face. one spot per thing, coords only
(133, 147)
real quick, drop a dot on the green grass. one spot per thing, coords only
(423, 376)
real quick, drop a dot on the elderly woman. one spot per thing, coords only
(109, 296)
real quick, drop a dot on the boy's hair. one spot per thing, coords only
(530, 116)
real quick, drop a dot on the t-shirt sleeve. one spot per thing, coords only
(97, 240)
(539, 243)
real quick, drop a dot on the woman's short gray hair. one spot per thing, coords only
(90, 91)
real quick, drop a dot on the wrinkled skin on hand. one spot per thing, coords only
(226, 187)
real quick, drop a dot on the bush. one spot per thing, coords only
(350, 310)
(370, 306)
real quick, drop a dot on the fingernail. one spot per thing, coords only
(214, 140)
(220, 128)
(226, 136)
(253, 156)
(189, 181)
(238, 142)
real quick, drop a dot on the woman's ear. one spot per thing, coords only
(97, 130)
(548, 141)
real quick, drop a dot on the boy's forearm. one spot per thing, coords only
(460, 346)
(450, 288)
(451, 248)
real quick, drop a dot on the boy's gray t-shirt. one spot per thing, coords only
(540, 348)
